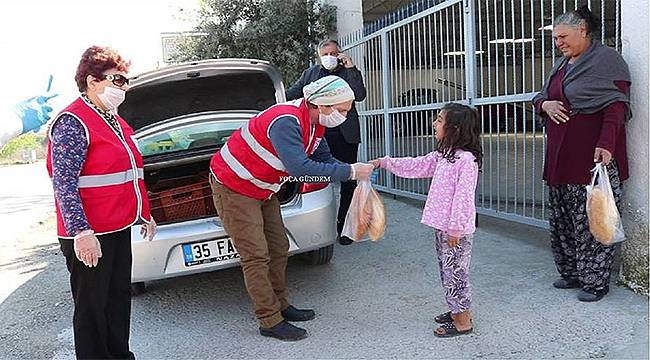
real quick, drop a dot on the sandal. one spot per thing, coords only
(444, 318)
(451, 330)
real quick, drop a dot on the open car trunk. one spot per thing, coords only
(182, 192)
(224, 85)
(182, 114)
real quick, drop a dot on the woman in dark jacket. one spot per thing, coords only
(584, 104)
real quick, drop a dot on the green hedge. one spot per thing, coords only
(29, 141)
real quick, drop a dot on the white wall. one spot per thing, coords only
(635, 30)
(349, 15)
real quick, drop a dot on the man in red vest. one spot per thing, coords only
(283, 140)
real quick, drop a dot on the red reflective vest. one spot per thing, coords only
(111, 182)
(248, 163)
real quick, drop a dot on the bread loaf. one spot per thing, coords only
(603, 216)
(377, 224)
(365, 217)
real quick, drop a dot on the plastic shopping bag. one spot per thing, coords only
(365, 215)
(604, 220)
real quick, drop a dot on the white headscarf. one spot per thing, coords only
(328, 90)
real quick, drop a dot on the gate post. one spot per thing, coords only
(470, 50)
(388, 129)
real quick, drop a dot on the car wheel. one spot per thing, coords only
(321, 256)
(138, 288)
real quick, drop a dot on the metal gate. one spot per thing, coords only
(415, 60)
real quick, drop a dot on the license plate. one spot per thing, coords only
(209, 251)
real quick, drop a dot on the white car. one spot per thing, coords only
(181, 115)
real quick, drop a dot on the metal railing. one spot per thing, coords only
(415, 60)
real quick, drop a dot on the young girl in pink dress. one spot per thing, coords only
(450, 208)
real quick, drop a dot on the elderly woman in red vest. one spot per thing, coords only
(284, 140)
(585, 104)
(97, 175)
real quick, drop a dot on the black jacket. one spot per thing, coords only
(350, 127)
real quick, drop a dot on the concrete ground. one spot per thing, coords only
(374, 300)
(25, 197)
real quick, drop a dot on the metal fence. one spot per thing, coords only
(417, 62)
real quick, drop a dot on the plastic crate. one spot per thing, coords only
(182, 203)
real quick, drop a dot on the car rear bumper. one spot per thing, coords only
(310, 222)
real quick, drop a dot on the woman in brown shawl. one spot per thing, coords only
(584, 104)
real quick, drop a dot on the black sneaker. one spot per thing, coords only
(566, 284)
(344, 240)
(293, 314)
(591, 296)
(284, 331)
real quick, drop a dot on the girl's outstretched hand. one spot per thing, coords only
(374, 163)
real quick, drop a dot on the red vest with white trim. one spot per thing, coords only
(248, 163)
(111, 182)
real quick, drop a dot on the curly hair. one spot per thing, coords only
(461, 132)
(95, 61)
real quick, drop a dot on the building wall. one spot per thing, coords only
(634, 30)
(349, 16)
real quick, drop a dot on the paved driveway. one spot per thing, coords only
(375, 300)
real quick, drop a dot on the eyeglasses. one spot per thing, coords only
(117, 79)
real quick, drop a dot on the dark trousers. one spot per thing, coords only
(102, 298)
(578, 256)
(347, 153)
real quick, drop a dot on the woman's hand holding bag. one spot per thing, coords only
(604, 219)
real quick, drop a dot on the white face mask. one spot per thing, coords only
(329, 62)
(112, 98)
(332, 120)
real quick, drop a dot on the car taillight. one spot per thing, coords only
(311, 187)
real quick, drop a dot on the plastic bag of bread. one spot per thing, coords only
(366, 214)
(604, 219)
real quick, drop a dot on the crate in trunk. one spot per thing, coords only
(182, 203)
